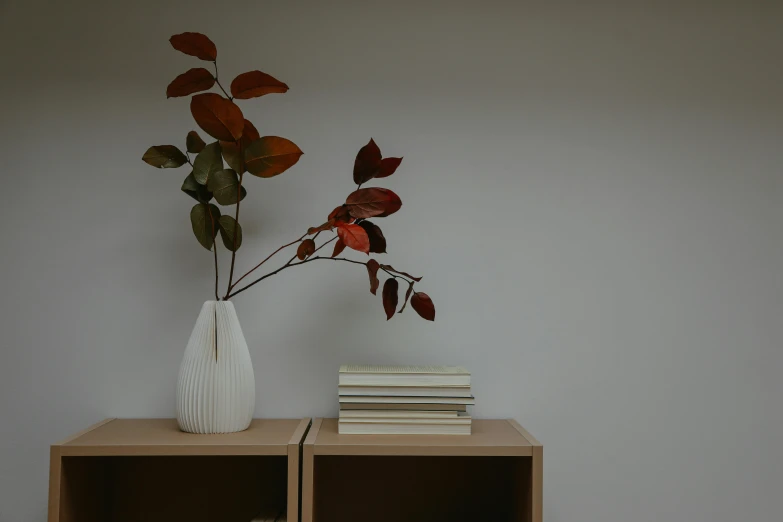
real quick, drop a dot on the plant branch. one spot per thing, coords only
(326, 243)
(236, 220)
(290, 264)
(265, 260)
(218, 82)
(214, 249)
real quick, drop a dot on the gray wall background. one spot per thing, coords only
(592, 192)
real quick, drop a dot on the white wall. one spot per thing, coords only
(593, 195)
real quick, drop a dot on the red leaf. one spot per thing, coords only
(340, 213)
(271, 155)
(187, 83)
(354, 237)
(231, 149)
(339, 246)
(306, 249)
(390, 297)
(407, 296)
(195, 44)
(219, 117)
(371, 202)
(194, 143)
(367, 163)
(254, 84)
(388, 166)
(372, 270)
(391, 269)
(377, 241)
(423, 305)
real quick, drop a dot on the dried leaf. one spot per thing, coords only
(371, 202)
(194, 143)
(407, 296)
(220, 118)
(340, 213)
(423, 305)
(329, 225)
(372, 271)
(389, 294)
(377, 241)
(224, 185)
(231, 149)
(195, 44)
(165, 157)
(391, 269)
(388, 166)
(271, 155)
(192, 188)
(202, 223)
(339, 246)
(228, 229)
(305, 249)
(255, 83)
(195, 80)
(207, 163)
(354, 237)
(367, 163)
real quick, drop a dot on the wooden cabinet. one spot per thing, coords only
(129, 470)
(132, 470)
(494, 474)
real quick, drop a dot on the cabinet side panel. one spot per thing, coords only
(55, 469)
(537, 485)
(83, 483)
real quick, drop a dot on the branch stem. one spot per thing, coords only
(218, 82)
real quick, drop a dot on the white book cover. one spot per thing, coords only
(358, 399)
(379, 375)
(406, 391)
(393, 414)
(402, 429)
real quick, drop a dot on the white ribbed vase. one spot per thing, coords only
(216, 389)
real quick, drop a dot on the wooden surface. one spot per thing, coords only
(163, 437)
(535, 492)
(488, 438)
(295, 470)
(308, 467)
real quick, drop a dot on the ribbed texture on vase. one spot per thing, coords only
(216, 389)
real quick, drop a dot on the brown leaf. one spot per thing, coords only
(195, 80)
(329, 225)
(195, 44)
(354, 237)
(367, 163)
(371, 202)
(390, 297)
(231, 149)
(194, 143)
(255, 83)
(388, 166)
(340, 213)
(339, 246)
(377, 241)
(423, 305)
(372, 270)
(407, 296)
(271, 155)
(219, 117)
(391, 269)
(306, 249)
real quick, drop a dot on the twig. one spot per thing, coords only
(265, 260)
(214, 249)
(218, 82)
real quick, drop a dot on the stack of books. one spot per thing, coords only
(401, 400)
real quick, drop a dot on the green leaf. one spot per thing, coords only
(194, 143)
(203, 227)
(228, 229)
(198, 192)
(207, 163)
(224, 184)
(165, 157)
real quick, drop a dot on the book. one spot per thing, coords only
(384, 428)
(364, 399)
(463, 419)
(396, 414)
(406, 391)
(375, 375)
(407, 407)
